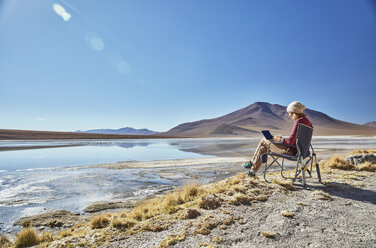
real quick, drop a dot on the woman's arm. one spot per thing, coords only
(292, 138)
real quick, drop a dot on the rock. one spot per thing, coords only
(57, 218)
(361, 158)
(97, 207)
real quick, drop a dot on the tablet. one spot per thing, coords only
(267, 134)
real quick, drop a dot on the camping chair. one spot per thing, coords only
(303, 145)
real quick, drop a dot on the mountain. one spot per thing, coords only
(124, 131)
(262, 115)
(13, 134)
(370, 124)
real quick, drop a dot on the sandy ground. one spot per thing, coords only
(169, 163)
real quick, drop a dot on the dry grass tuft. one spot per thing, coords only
(64, 233)
(4, 241)
(287, 213)
(172, 239)
(321, 195)
(269, 234)
(284, 183)
(207, 245)
(189, 192)
(191, 213)
(154, 226)
(205, 225)
(209, 202)
(99, 221)
(367, 166)
(123, 223)
(337, 162)
(26, 238)
(46, 237)
(238, 199)
(217, 239)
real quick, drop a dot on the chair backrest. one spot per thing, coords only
(303, 139)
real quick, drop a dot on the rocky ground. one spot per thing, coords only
(338, 214)
(242, 212)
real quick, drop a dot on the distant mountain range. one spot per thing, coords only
(258, 116)
(124, 131)
(248, 121)
(370, 124)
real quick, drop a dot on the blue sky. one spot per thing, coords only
(158, 63)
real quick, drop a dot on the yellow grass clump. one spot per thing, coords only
(172, 239)
(269, 234)
(321, 195)
(238, 199)
(190, 213)
(46, 237)
(205, 225)
(367, 166)
(287, 213)
(168, 203)
(99, 221)
(337, 162)
(206, 245)
(4, 241)
(217, 239)
(284, 183)
(26, 238)
(209, 202)
(64, 233)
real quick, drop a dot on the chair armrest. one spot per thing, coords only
(280, 143)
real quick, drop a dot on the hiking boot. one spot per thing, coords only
(248, 165)
(251, 173)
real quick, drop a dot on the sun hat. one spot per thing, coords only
(295, 107)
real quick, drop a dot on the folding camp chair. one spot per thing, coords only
(303, 145)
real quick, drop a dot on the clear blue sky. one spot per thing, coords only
(158, 63)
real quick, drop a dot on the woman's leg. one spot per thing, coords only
(263, 148)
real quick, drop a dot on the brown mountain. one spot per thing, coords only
(262, 115)
(12, 134)
(370, 124)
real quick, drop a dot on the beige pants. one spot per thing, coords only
(262, 148)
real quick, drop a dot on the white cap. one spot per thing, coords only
(296, 107)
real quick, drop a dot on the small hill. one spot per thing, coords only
(262, 115)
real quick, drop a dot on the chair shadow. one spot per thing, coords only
(347, 191)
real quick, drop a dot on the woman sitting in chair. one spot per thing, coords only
(295, 111)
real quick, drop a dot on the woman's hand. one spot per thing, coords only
(277, 138)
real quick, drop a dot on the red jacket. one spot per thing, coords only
(292, 138)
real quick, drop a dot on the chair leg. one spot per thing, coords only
(297, 172)
(283, 163)
(303, 178)
(309, 172)
(318, 172)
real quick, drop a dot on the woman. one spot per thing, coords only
(295, 110)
